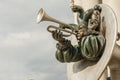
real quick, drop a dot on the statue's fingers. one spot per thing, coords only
(55, 34)
(58, 36)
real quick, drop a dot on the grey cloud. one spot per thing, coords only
(27, 50)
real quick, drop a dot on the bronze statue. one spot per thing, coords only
(90, 40)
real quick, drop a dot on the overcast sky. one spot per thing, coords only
(27, 50)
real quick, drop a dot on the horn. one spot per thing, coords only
(42, 16)
(65, 35)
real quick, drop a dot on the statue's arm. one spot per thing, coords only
(66, 52)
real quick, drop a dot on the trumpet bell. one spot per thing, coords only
(43, 16)
(40, 15)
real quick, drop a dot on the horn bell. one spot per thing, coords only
(40, 15)
(43, 16)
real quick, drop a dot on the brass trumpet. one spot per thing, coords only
(42, 16)
(60, 29)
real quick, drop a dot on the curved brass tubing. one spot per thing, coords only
(61, 29)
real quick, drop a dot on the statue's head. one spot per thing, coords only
(92, 24)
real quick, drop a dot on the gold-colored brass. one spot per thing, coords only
(42, 16)
(60, 29)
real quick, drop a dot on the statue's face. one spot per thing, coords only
(92, 24)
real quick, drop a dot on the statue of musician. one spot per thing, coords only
(91, 40)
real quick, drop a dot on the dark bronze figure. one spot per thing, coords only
(91, 40)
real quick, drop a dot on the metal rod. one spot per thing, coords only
(109, 73)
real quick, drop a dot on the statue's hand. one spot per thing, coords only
(81, 32)
(58, 36)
